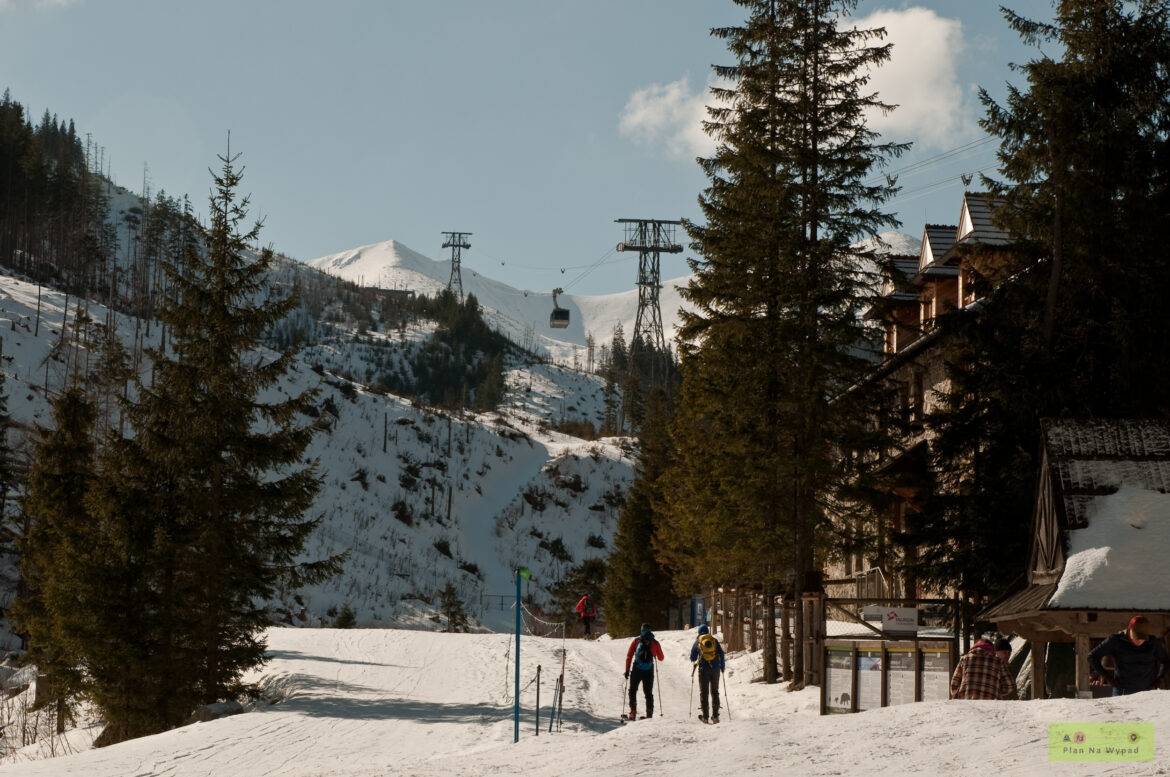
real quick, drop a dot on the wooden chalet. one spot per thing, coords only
(1100, 544)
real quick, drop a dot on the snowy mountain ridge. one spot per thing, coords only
(522, 314)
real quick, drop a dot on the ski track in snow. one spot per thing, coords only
(389, 702)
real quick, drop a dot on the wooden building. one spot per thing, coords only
(1100, 543)
(916, 292)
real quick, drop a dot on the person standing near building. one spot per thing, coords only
(1139, 658)
(707, 656)
(982, 675)
(640, 669)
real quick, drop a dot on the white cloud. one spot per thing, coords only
(921, 78)
(670, 115)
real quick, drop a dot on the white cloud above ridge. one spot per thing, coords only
(921, 78)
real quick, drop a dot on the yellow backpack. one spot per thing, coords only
(708, 647)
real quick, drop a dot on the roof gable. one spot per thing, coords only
(975, 220)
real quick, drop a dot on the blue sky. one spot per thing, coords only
(531, 123)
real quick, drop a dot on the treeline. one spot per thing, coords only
(770, 464)
(148, 548)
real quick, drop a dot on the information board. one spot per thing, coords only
(839, 679)
(936, 674)
(900, 676)
(869, 679)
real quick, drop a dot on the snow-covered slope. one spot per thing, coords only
(418, 498)
(514, 312)
(384, 702)
(391, 265)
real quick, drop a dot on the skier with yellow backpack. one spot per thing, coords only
(707, 657)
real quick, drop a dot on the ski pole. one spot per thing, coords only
(661, 712)
(691, 703)
(726, 695)
(625, 679)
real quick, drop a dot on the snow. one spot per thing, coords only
(512, 311)
(386, 702)
(482, 464)
(1119, 560)
(515, 312)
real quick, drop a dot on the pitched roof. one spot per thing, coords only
(975, 222)
(937, 239)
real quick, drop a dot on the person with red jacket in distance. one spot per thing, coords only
(642, 653)
(586, 612)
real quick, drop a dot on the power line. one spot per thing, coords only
(931, 161)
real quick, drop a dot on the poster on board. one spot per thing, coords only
(869, 679)
(936, 674)
(900, 676)
(839, 679)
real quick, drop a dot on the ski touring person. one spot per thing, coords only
(644, 649)
(982, 675)
(586, 613)
(707, 657)
(1139, 658)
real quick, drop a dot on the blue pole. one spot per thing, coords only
(516, 695)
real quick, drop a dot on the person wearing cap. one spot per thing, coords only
(1003, 650)
(1139, 658)
(707, 656)
(642, 654)
(982, 675)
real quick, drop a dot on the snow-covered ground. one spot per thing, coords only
(386, 702)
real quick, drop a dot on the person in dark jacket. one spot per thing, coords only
(707, 656)
(1139, 658)
(642, 653)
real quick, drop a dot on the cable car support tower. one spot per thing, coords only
(456, 241)
(650, 238)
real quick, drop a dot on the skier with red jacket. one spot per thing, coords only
(586, 612)
(642, 653)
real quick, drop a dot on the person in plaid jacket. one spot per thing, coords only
(982, 675)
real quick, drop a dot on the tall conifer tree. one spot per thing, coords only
(1076, 326)
(638, 588)
(772, 343)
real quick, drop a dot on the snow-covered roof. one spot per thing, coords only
(1118, 561)
(1110, 486)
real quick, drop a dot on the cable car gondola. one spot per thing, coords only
(559, 318)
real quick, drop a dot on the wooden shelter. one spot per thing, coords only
(1101, 538)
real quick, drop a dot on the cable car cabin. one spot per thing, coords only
(559, 318)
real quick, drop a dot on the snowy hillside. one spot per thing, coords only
(384, 702)
(391, 265)
(417, 498)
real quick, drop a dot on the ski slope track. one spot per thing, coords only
(512, 311)
(359, 703)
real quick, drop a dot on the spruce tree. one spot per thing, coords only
(58, 535)
(638, 588)
(771, 345)
(1075, 325)
(211, 488)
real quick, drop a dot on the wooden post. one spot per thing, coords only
(1039, 649)
(785, 639)
(752, 643)
(1082, 642)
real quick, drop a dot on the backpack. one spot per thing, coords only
(643, 654)
(708, 647)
